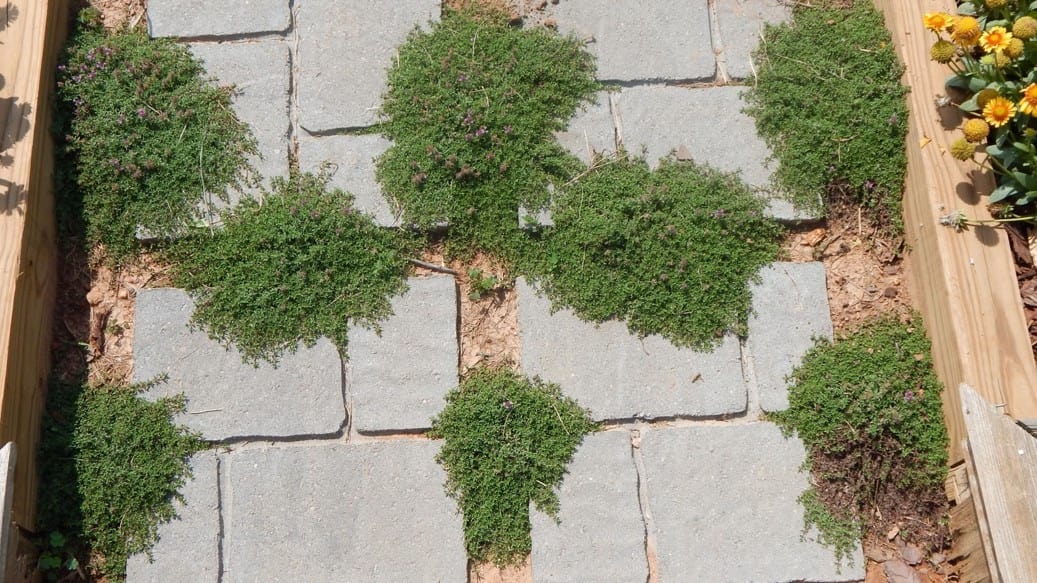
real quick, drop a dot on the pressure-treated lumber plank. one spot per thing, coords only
(32, 32)
(964, 283)
(1003, 475)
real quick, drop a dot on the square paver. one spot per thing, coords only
(617, 375)
(591, 130)
(369, 512)
(352, 164)
(643, 40)
(345, 49)
(741, 24)
(199, 18)
(601, 535)
(227, 398)
(724, 503)
(188, 547)
(399, 379)
(790, 310)
(260, 74)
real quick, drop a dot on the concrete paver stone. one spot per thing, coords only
(643, 40)
(620, 376)
(590, 130)
(200, 18)
(371, 512)
(601, 535)
(260, 74)
(352, 160)
(741, 24)
(345, 49)
(189, 545)
(724, 504)
(790, 310)
(227, 398)
(399, 379)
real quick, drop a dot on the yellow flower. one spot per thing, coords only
(937, 21)
(984, 96)
(962, 149)
(998, 111)
(1015, 48)
(1028, 102)
(975, 130)
(942, 51)
(1001, 59)
(1025, 28)
(966, 31)
(995, 3)
(995, 39)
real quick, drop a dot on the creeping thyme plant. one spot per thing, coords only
(991, 48)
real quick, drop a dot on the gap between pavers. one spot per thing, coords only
(227, 398)
(398, 379)
(188, 547)
(353, 169)
(724, 502)
(200, 18)
(600, 536)
(617, 375)
(790, 311)
(345, 49)
(370, 512)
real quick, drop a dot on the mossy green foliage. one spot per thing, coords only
(111, 465)
(507, 440)
(299, 264)
(471, 108)
(829, 102)
(868, 406)
(671, 252)
(152, 141)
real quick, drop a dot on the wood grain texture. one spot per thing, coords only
(964, 283)
(1003, 476)
(32, 33)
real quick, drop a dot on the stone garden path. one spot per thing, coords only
(323, 474)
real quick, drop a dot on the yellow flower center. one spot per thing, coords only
(995, 39)
(998, 111)
(937, 21)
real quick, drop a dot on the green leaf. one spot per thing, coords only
(969, 105)
(957, 82)
(57, 540)
(966, 9)
(49, 562)
(1003, 192)
(1026, 181)
(1033, 6)
(995, 151)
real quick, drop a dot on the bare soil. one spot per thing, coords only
(117, 13)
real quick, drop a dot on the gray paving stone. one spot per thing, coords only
(601, 536)
(196, 18)
(741, 24)
(370, 512)
(643, 40)
(345, 49)
(227, 398)
(723, 499)
(708, 121)
(591, 130)
(260, 73)
(189, 545)
(352, 160)
(399, 379)
(619, 376)
(790, 309)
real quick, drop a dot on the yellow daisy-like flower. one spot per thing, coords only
(998, 111)
(937, 21)
(1015, 48)
(975, 130)
(1028, 102)
(1025, 28)
(962, 149)
(966, 31)
(943, 51)
(995, 39)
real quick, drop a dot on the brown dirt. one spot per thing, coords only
(490, 573)
(117, 13)
(1019, 236)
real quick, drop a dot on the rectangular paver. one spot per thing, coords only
(643, 40)
(373, 512)
(620, 376)
(790, 310)
(345, 49)
(189, 545)
(591, 130)
(601, 535)
(352, 164)
(741, 24)
(723, 499)
(260, 74)
(227, 398)
(197, 18)
(399, 379)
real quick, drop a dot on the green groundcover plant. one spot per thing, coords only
(670, 252)
(153, 144)
(868, 410)
(298, 264)
(507, 441)
(471, 108)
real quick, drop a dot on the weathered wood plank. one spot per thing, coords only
(964, 283)
(1003, 476)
